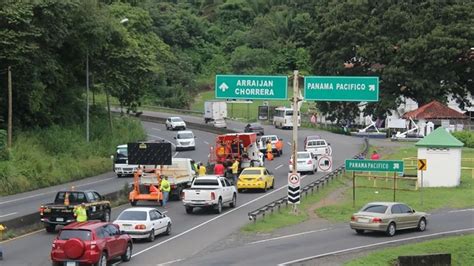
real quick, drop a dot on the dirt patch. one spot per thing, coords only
(332, 199)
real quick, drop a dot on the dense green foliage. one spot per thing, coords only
(170, 49)
(466, 137)
(57, 155)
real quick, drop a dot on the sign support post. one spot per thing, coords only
(394, 185)
(353, 189)
(421, 188)
(421, 167)
(295, 127)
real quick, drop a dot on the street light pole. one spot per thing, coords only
(87, 95)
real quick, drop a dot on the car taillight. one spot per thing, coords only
(376, 220)
(213, 196)
(140, 226)
(93, 245)
(310, 162)
(41, 210)
(353, 218)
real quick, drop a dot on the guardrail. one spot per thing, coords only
(310, 188)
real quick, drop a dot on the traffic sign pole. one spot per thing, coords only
(295, 127)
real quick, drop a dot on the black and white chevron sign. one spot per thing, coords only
(294, 195)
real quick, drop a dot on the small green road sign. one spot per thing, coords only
(251, 87)
(346, 89)
(375, 165)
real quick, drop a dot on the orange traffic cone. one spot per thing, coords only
(270, 156)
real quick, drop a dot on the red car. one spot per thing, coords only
(90, 243)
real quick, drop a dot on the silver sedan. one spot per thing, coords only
(387, 217)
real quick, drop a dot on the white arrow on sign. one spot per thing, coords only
(371, 87)
(223, 87)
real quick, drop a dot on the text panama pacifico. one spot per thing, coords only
(254, 87)
(373, 165)
(337, 86)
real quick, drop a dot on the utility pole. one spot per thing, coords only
(10, 109)
(87, 95)
(295, 126)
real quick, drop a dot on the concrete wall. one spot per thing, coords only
(443, 167)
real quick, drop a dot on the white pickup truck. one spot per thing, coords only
(318, 147)
(209, 191)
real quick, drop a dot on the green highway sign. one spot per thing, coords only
(374, 165)
(346, 89)
(251, 87)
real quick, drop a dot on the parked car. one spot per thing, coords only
(142, 223)
(90, 243)
(311, 137)
(185, 140)
(209, 191)
(254, 127)
(387, 217)
(305, 162)
(255, 177)
(173, 123)
(61, 211)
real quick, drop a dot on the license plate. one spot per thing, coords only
(59, 219)
(363, 220)
(127, 225)
(71, 263)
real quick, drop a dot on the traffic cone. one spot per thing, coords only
(270, 156)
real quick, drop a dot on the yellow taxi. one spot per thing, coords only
(255, 177)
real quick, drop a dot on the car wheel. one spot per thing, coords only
(391, 229)
(234, 201)
(265, 187)
(281, 152)
(119, 175)
(133, 203)
(218, 208)
(128, 253)
(103, 259)
(422, 225)
(106, 216)
(189, 210)
(359, 231)
(273, 184)
(151, 236)
(50, 228)
(168, 229)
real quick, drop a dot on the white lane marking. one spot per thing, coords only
(5, 215)
(289, 143)
(287, 236)
(464, 210)
(205, 142)
(158, 137)
(157, 129)
(169, 262)
(41, 194)
(373, 245)
(278, 166)
(176, 153)
(27, 197)
(208, 221)
(98, 181)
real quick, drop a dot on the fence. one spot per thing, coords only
(310, 188)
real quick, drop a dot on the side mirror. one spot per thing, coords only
(111, 157)
(413, 210)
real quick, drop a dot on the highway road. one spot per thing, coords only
(191, 233)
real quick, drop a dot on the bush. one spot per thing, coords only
(3, 145)
(466, 136)
(52, 156)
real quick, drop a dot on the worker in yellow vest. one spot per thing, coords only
(165, 190)
(235, 170)
(80, 213)
(2, 228)
(202, 170)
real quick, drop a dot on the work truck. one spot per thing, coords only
(61, 211)
(211, 192)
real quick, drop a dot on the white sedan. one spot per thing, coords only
(305, 162)
(143, 223)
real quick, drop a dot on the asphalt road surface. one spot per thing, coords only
(191, 233)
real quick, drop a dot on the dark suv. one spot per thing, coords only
(91, 242)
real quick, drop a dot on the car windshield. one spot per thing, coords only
(375, 208)
(288, 113)
(303, 155)
(176, 119)
(316, 143)
(205, 182)
(81, 234)
(132, 216)
(122, 152)
(251, 172)
(185, 135)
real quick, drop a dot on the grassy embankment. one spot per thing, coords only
(460, 247)
(434, 198)
(46, 157)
